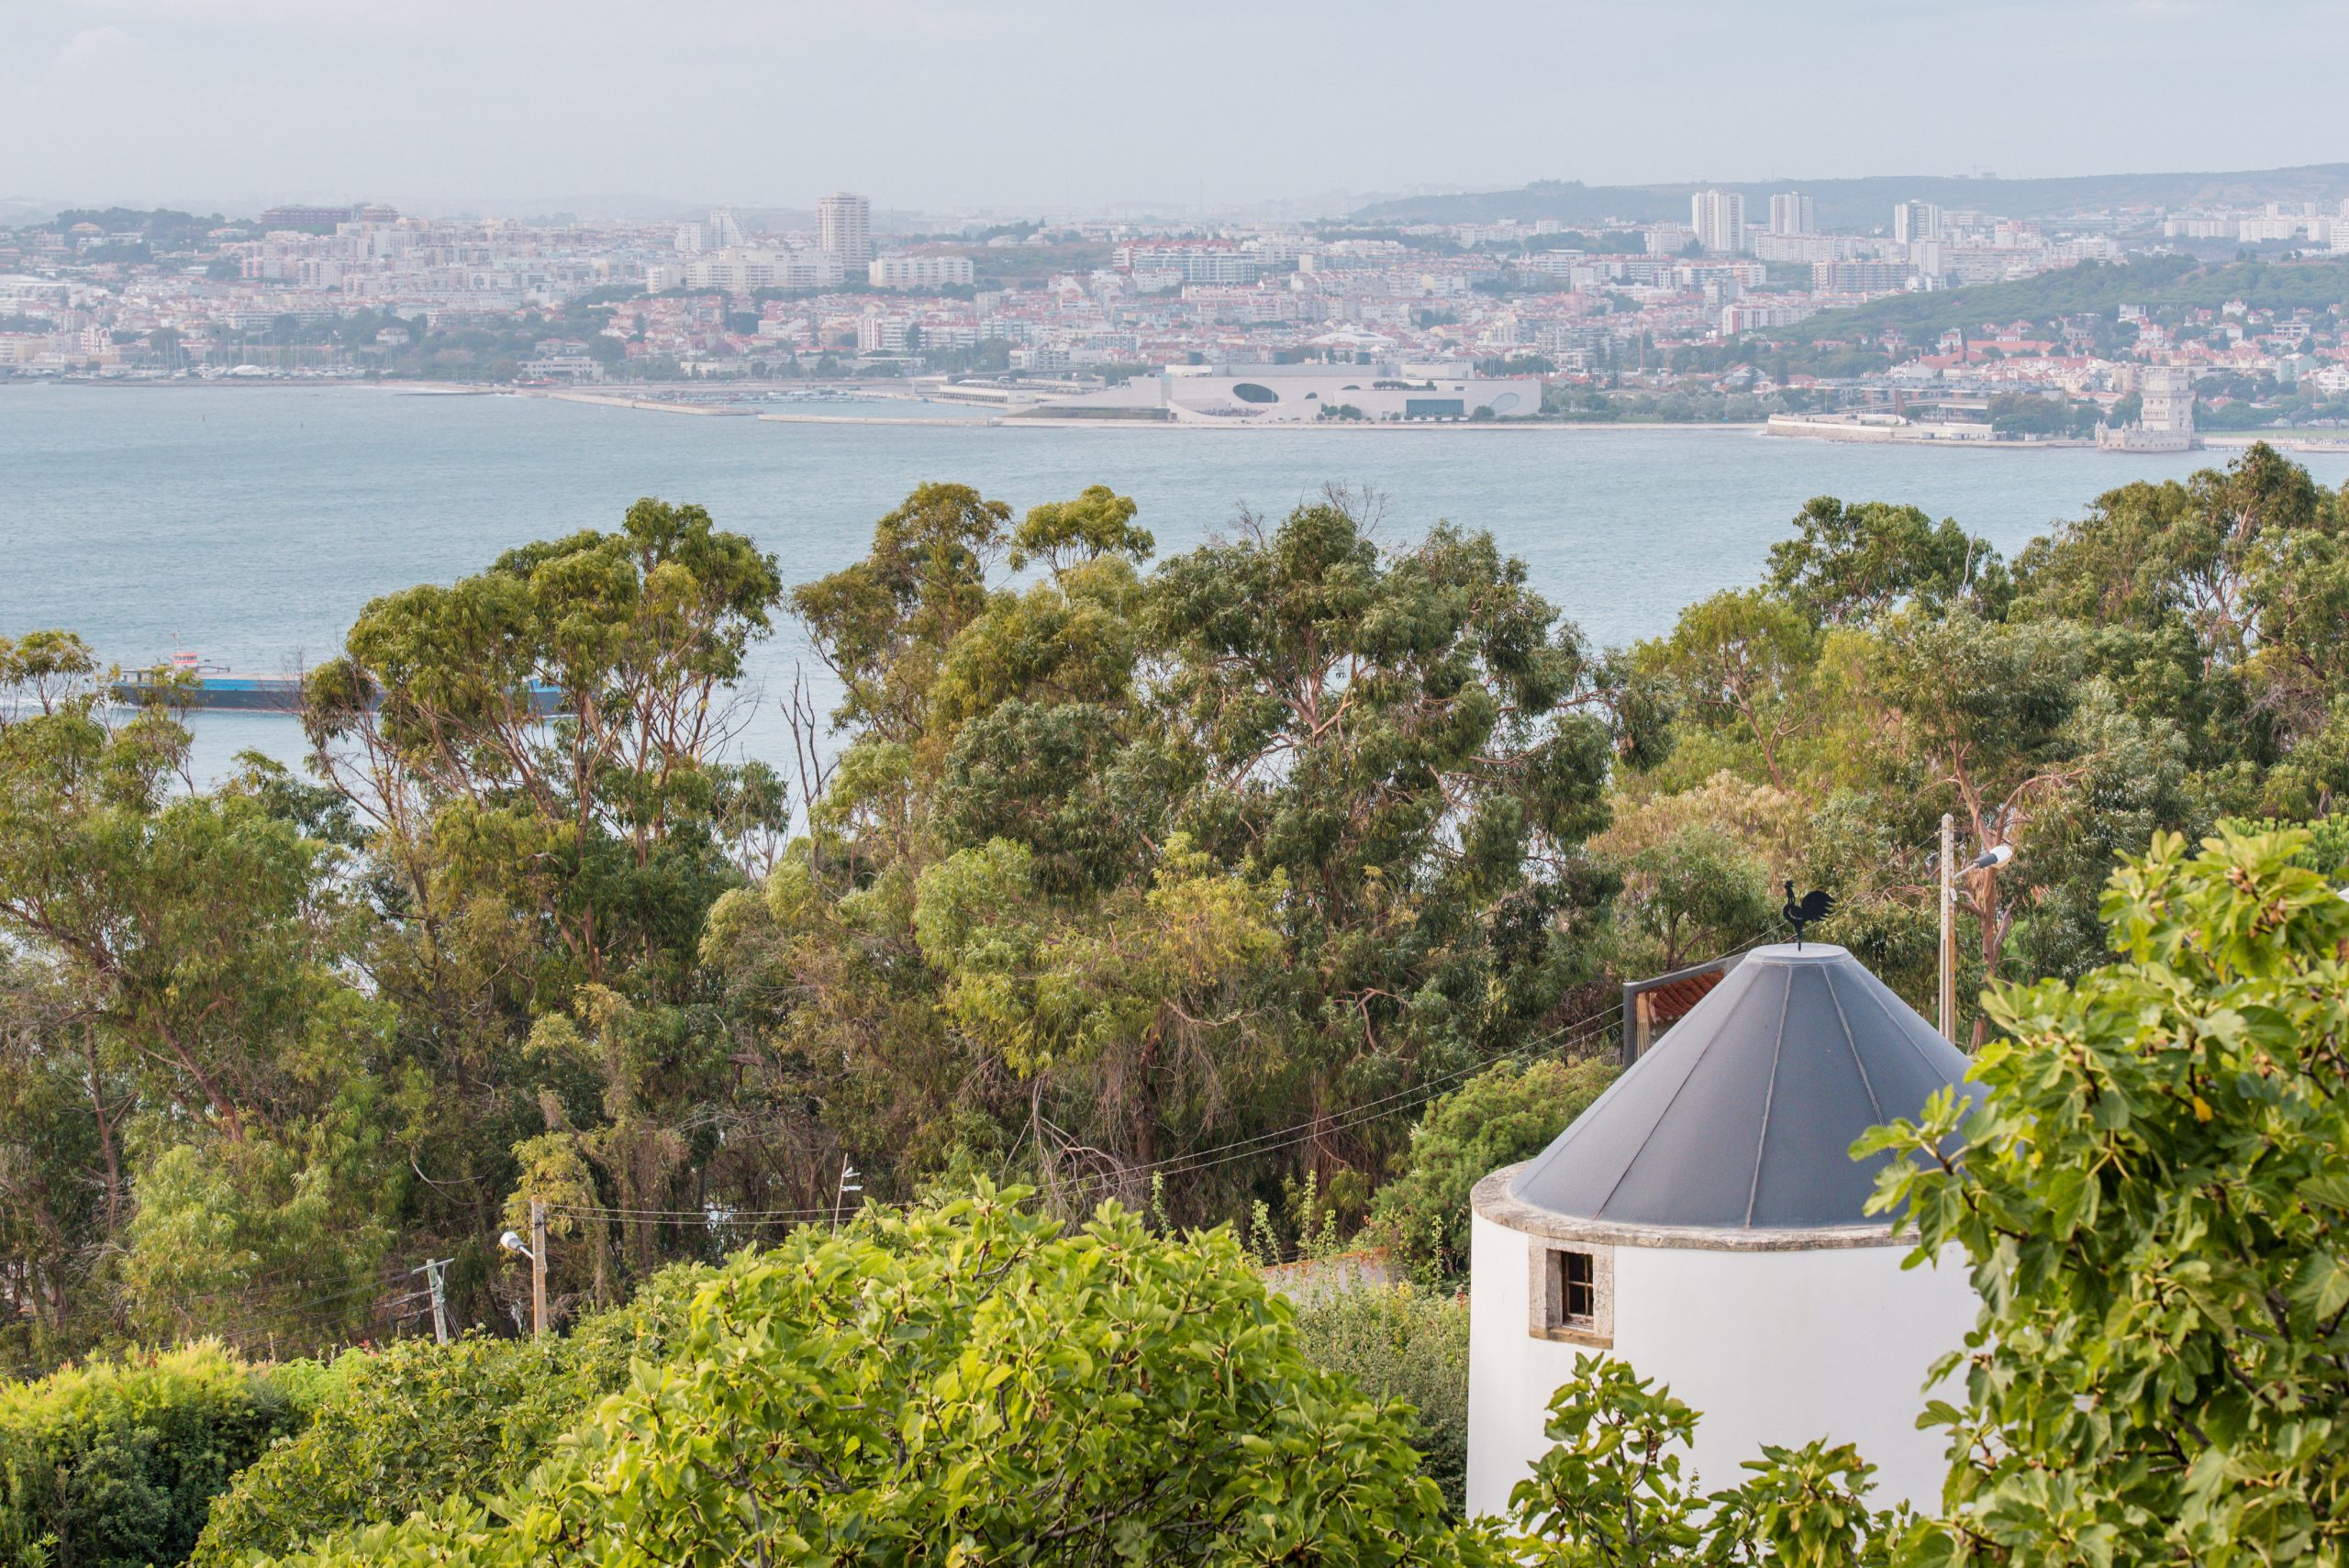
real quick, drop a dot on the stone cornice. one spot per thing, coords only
(1492, 1201)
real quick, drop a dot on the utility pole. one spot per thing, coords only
(848, 1184)
(537, 1267)
(437, 1282)
(1946, 998)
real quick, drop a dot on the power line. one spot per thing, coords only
(1575, 1032)
(316, 1313)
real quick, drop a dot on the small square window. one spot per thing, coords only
(1573, 1288)
(1574, 1294)
(1578, 1294)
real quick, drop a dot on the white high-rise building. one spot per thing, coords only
(1718, 218)
(1912, 222)
(720, 232)
(1668, 238)
(1790, 213)
(844, 228)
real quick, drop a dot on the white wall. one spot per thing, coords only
(1768, 1347)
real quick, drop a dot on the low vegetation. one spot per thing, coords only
(1196, 884)
(398, 1430)
(113, 1463)
(1401, 1341)
(968, 1383)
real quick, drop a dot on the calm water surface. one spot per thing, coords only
(252, 524)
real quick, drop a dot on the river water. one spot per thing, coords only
(252, 524)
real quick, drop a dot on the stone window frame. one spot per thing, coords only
(1547, 1273)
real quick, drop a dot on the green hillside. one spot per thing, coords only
(1864, 203)
(2094, 286)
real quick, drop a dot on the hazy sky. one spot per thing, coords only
(1046, 104)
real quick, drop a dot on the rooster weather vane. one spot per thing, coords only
(1815, 905)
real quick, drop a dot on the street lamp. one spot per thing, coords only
(1990, 860)
(537, 1252)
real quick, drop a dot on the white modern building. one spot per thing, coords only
(1389, 393)
(1704, 1222)
(1718, 218)
(1212, 262)
(718, 232)
(1668, 238)
(1912, 222)
(844, 228)
(921, 272)
(1232, 396)
(741, 270)
(884, 335)
(1791, 212)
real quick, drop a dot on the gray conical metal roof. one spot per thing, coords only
(1744, 1116)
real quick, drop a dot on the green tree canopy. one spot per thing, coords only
(2154, 1199)
(1849, 564)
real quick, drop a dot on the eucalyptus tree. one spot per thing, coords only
(1118, 863)
(538, 755)
(176, 965)
(2220, 602)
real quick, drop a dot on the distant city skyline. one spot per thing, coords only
(930, 105)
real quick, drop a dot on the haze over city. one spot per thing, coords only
(1051, 104)
(1333, 782)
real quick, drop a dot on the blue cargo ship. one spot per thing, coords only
(204, 686)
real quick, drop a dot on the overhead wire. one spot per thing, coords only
(1266, 1142)
(1574, 1032)
(270, 1321)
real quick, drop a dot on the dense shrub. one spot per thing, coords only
(1407, 1342)
(968, 1383)
(1496, 1119)
(402, 1428)
(2154, 1201)
(112, 1463)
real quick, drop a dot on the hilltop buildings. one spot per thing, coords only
(1648, 318)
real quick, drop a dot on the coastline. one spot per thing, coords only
(652, 405)
(615, 399)
(1338, 426)
(2286, 441)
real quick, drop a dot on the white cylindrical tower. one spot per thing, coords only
(1704, 1221)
